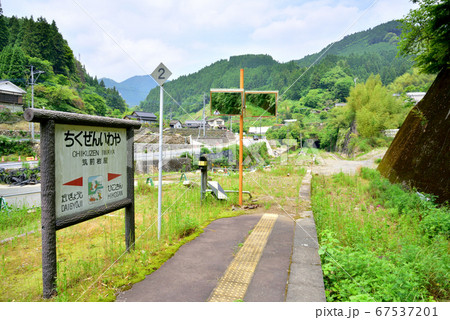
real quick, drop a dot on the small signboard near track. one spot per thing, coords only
(217, 190)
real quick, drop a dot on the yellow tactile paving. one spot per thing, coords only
(234, 283)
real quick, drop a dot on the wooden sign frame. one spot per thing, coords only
(50, 223)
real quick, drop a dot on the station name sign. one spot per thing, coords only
(91, 167)
(87, 170)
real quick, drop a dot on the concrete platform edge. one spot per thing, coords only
(305, 283)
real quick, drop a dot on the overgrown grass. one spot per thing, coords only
(15, 221)
(92, 263)
(379, 242)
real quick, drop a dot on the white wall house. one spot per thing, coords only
(11, 96)
(176, 124)
(258, 130)
(216, 123)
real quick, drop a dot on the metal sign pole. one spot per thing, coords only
(160, 74)
(161, 102)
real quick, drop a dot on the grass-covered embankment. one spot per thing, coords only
(92, 262)
(379, 242)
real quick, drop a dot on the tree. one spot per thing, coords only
(342, 88)
(4, 33)
(13, 63)
(412, 81)
(426, 34)
(14, 30)
(375, 108)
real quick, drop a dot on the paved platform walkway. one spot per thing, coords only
(251, 258)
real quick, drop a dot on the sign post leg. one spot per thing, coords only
(241, 143)
(48, 217)
(129, 210)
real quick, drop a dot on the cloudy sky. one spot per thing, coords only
(120, 39)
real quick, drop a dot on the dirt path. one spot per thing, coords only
(331, 164)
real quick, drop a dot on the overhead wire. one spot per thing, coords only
(177, 103)
(128, 55)
(325, 51)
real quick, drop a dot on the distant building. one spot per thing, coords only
(416, 96)
(176, 124)
(142, 117)
(340, 104)
(11, 96)
(287, 121)
(216, 123)
(258, 130)
(195, 124)
(390, 132)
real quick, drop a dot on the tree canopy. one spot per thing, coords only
(65, 85)
(426, 34)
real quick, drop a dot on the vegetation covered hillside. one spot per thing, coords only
(354, 58)
(65, 85)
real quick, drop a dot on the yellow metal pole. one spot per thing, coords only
(241, 143)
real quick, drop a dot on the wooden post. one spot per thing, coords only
(48, 217)
(241, 142)
(129, 210)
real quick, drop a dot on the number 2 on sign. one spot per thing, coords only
(162, 71)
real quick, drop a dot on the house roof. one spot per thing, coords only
(9, 87)
(416, 96)
(193, 121)
(143, 115)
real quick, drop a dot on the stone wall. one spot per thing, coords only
(151, 166)
(419, 155)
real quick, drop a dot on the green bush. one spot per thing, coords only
(379, 242)
(10, 146)
(221, 162)
(205, 150)
(186, 154)
(365, 275)
(436, 222)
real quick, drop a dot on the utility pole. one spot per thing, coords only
(241, 141)
(204, 118)
(33, 81)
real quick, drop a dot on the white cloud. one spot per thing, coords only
(119, 39)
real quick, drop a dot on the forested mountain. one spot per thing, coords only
(352, 59)
(65, 85)
(133, 90)
(383, 37)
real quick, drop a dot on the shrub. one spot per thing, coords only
(436, 222)
(379, 242)
(205, 150)
(10, 146)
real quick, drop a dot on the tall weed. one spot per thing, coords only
(379, 242)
